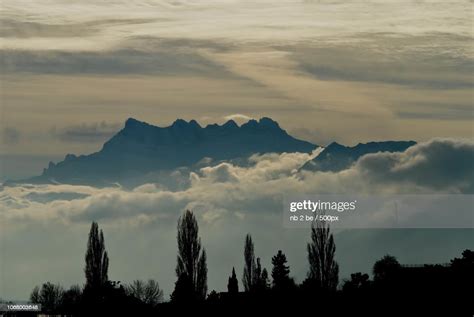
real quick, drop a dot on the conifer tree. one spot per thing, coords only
(280, 272)
(233, 283)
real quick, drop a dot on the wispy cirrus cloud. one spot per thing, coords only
(10, 135)
(87, 133)
(435, 61)
(114, 62)
(18, 28)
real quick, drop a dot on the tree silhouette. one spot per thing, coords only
(385, 268)
(257, 277)
(147, 292)
(462, 278)
(97, 260)
(466, 261)
(191, 268)
(183, 290)
(323, 268)
(250, 266)
(35, 295)
(213, 297)
(264, 281)
(49, 296)
(280, 272)
(260, 279)
(233, 283)
(201, 278)
(72, 298)
(358, 282)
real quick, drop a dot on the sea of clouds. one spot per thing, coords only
(223, 190)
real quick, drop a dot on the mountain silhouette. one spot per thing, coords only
(336, 157)
(141, 148)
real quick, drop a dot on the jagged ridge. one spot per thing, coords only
(141, 148)
(336, 157)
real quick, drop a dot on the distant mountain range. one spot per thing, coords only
(336, 157)
(141, 149)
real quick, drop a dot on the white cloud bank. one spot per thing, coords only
(238, 116)
(440, 165)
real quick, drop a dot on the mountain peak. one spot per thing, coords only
(252, 123)
(336, 157)
(335, 146)
(268, 122)
(69, 157)
(230, 124)
(179, 123)
(263, 123)
(132, 123)
(194, 123)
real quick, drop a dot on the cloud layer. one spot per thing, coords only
(229, 201)
(440, 165)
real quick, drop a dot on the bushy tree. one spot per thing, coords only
(385, 269)
(323, 268)
(72, 299)
(466, 261)
(148, 292)
(35, 295)
(463, 275)
(191, 268)
(50, 296)
(358, 282)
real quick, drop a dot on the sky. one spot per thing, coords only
(346, 71)
(72, 72)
